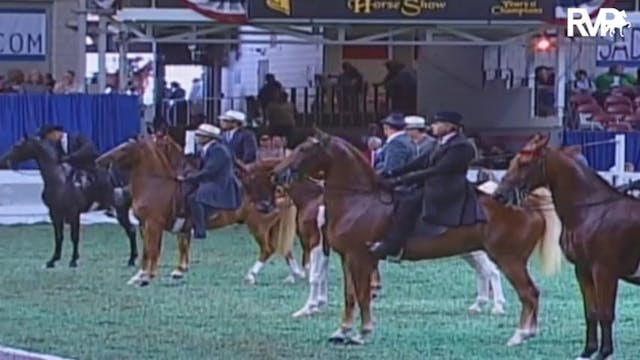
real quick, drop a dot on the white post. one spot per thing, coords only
(561, 81)
(82, 44)
(122, 60)
(102, 53)
(620, 151)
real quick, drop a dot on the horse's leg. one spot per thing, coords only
(144, 263)
(316, 277)
(295, 271)
(262, 238)
(122, 214)
(489, 283)
(376, 283)
(342, 334)
(589, 302)
(58, 235)
(516, 272)
(184, 240)
(153, 245)
(606, 293)
(75, 239)
(305, 244)
(482, 285)
(361, 268)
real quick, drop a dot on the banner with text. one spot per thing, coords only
(23, 34)
(620, 50)
(435, 10)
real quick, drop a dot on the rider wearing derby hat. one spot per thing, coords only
(80, 152)
(445, 197)
(241, 141)
(397, 149)
(218, 187)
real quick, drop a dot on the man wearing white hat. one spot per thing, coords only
(416, 129)
(218, 187)
(241, 142)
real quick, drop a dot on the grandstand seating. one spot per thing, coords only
(618, 111)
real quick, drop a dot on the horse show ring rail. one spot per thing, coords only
(90, 312)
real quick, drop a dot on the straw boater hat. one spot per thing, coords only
(415, 122)
(208, 130)
(234, 116)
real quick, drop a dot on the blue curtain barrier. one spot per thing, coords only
(602, 157)
(107, 119)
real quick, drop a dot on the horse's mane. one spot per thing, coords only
(356, 155)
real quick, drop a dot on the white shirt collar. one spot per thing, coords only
(64, 141)
(445, 139)
(395, 135)
(207, 145)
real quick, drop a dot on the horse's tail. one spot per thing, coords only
(548, 246)
(285, 231)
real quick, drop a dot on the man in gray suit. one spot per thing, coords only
(218, 187)
(398, 149)
(416, 129)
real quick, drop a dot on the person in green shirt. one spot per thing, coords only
(615, 77)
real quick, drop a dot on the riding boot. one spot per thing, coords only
(198, 218)
(402, 226)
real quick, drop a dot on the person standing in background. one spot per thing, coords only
(280, 116)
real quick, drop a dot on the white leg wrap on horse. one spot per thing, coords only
(324, 281)
(295, 269)
(255, 269)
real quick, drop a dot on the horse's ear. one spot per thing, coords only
(321, 135)
(544, 140)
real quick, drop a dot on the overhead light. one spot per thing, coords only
(543, 43)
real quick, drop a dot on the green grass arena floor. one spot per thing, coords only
(90, 312)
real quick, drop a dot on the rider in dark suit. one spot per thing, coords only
(218, 187)
(446, 198)
(241, 142)
(398, 149)
(80, 152)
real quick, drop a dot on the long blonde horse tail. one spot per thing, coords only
(285, 232)
(548, 247)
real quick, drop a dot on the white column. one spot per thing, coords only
(102, 53)
(82, 43)
(122, 59)
(561, 81)
(620, 151)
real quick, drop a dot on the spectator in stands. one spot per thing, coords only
(49, 81)
(269, 92)
(14, 79)
(240, 141)
(401, 85)
(417, 130)
(582, 84)
(614, 77)
(68, 84)
(350, 86)
(176, 92)
(34, 84)
(545, 91)
(280, 117)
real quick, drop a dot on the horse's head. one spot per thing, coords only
(123, 155)
(312, 158)
(527, 170)
(256, 180)
(29, 148)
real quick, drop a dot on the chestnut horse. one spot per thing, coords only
(158, 200)
(601, 228)
(307, 196)
(358, 212)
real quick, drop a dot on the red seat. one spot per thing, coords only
(581, 99)
(604, 119)
(589, 108)
(620, 109)
(633, 120)
(616, 100)
(619, 127)
(636, 102)
(627, 91)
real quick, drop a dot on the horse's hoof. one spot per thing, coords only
(309, 310)
(498, 310)
(250, 279)
(73, 264)
(177, 274)
(355, 340)
(339, 336)
(49, 265)
(520, 337)
(474, 309)
(131, 263)
(289, 280)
